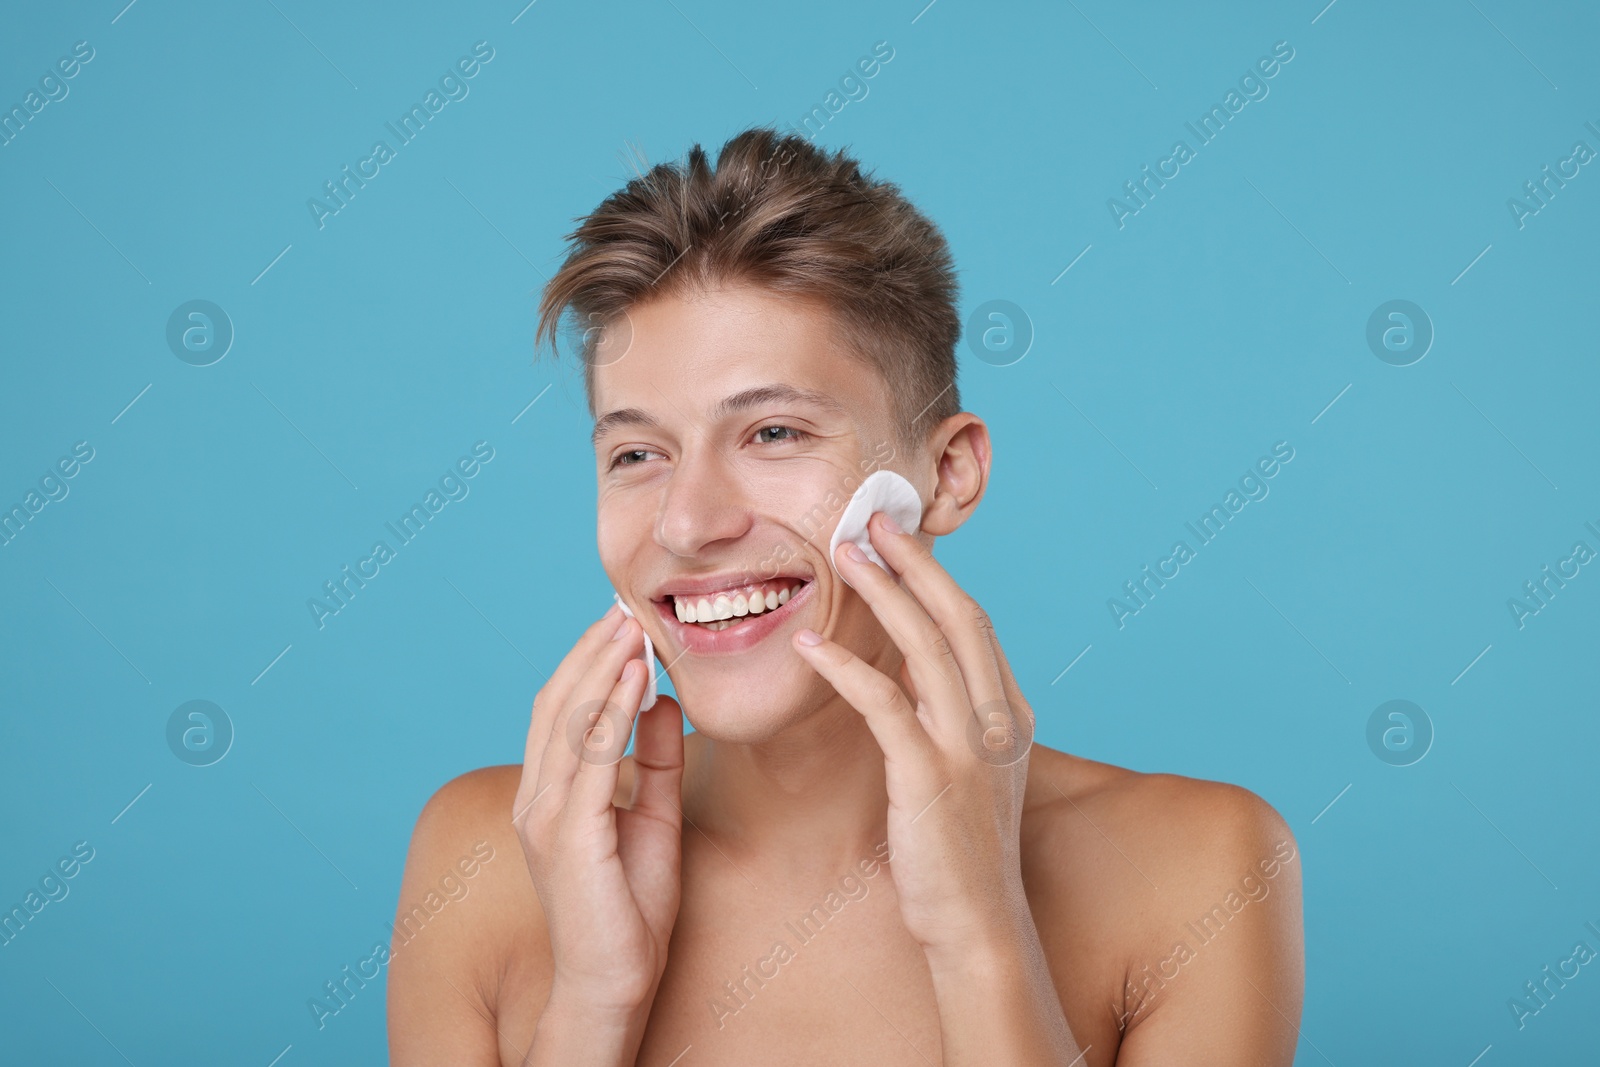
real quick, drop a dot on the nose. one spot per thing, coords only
(702, 504)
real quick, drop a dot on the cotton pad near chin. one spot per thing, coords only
(884, 491)
(649, 698)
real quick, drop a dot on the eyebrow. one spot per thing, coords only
(613, 420)
(777, 393)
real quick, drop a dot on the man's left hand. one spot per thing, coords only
(955, 733)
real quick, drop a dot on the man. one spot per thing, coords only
(857, 856)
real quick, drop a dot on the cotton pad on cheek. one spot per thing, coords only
(649, 698)
(884, 491)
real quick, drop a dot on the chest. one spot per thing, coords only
(821, 979)
(824, 974)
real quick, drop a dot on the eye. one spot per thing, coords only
(630, 458)
(789, 434)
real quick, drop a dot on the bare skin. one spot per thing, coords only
(830, 869)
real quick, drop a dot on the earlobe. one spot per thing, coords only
(962, 454)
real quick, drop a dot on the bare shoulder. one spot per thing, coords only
(466, 893)
(471, 815)
(1170, 818)
(1152, 872)
(469, 799)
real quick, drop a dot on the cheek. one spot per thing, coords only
(622, 522)
(808, 505)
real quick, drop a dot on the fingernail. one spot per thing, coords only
(630, 670)
(808, 637)
(622, 628)
(612, 610)
(889, 525)
(854, 553)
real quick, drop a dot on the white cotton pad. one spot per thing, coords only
(884, 490)
(649, 698)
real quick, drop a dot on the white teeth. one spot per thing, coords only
(719, 612)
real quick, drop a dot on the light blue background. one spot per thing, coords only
(1223, 317)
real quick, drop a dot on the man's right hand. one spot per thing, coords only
(607, 876)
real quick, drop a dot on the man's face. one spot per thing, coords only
(742, 432)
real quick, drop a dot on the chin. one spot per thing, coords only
(733, 668)
(758, 711)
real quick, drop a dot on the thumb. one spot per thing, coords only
(658, 761)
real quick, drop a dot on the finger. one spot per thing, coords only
(959, 617)
(551, 698)
(911, 628)
(602, 742)
(890, 716)
(1013, 691)
(1003, 733)
(590, 697)
(658, 762)
(941, 680)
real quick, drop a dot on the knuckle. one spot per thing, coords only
(885, 691)
(839, 656)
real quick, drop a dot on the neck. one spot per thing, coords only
(811, 798)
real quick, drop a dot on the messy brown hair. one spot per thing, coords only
(779, 212)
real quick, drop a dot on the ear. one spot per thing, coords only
(960, 452)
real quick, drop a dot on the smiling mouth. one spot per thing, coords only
(730, 607)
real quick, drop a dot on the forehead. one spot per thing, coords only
(690, 351)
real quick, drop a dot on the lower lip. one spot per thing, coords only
(741, 636)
